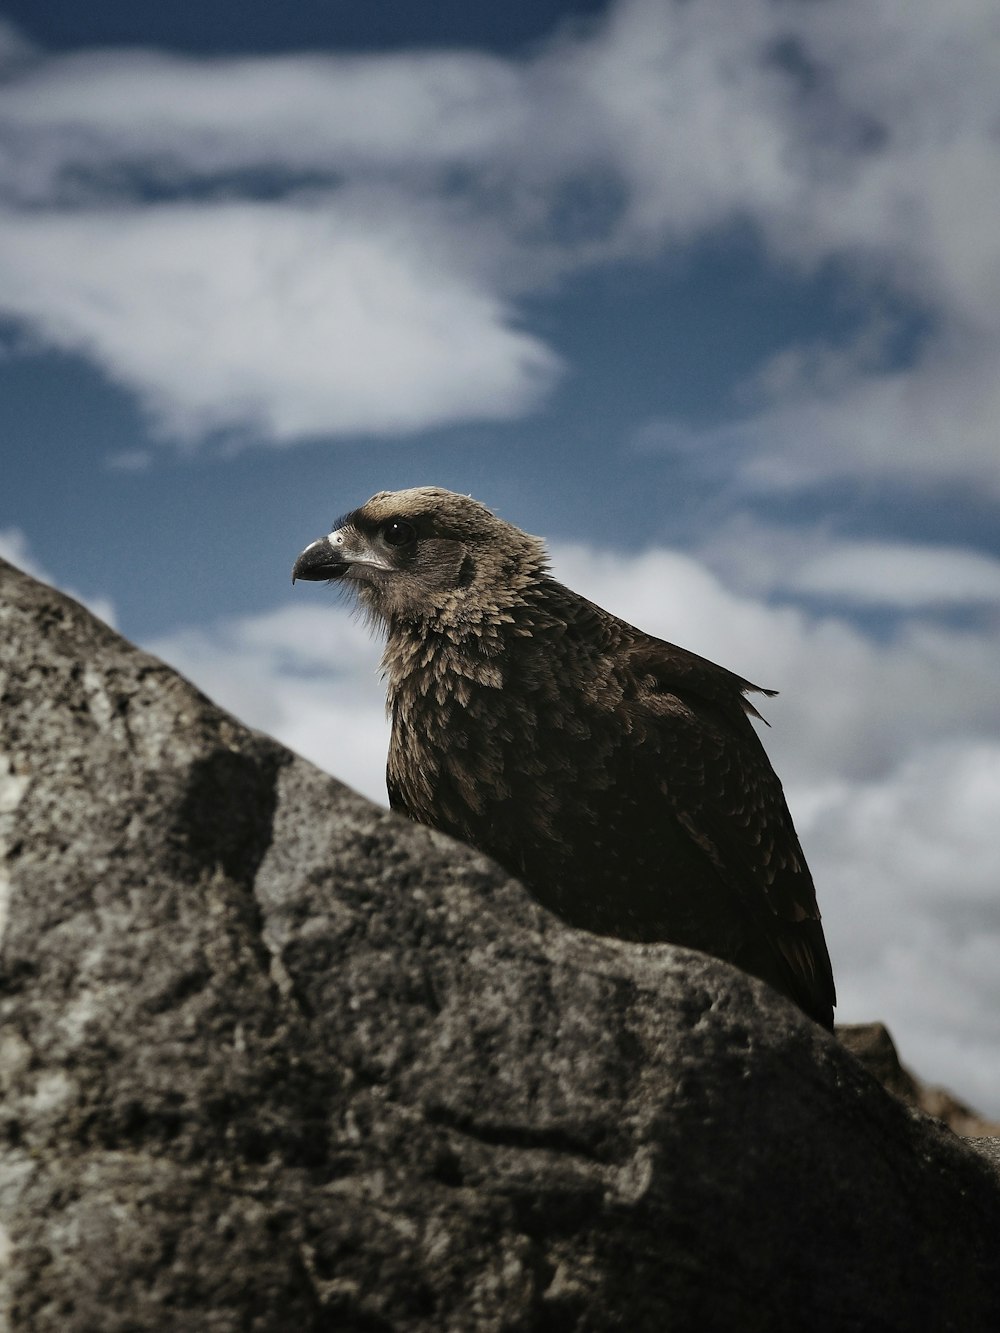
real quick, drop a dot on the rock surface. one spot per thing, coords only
(273, 1059)
(874, 1047)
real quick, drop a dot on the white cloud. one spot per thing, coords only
(886, 159)
(694, 117)
(890, 752)
(907, 867)
(383, 299)
(287, 320)
(392, 113)
(931, 423)
(807, 561)
(902, 575)
(305, 674)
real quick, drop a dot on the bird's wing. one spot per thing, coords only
(692, 724)
(395, 794)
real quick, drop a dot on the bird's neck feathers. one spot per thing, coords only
(467, 630)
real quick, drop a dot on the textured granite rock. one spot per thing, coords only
(273, 1059)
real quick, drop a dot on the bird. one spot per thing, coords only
(619, 777)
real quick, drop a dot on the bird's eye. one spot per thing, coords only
(398, 533)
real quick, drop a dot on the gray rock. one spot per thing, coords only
(872, 1044)
(989, 1146)
(274, 1059)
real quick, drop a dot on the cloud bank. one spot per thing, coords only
(317, 244)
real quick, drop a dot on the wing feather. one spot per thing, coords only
(718, 782)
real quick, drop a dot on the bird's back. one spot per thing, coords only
(621, 779)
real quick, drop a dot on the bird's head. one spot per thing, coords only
(427, 554)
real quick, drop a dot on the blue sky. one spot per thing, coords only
(707, 295)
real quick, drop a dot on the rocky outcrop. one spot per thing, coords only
(273, 1059)
(874, 1047)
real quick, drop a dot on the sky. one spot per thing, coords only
(707, 295)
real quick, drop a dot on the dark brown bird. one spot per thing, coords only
(618, 776)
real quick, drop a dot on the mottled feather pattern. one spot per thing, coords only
(618, 775)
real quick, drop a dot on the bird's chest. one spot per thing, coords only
(455, 745)
(506, 757)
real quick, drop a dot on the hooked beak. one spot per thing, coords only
(344, 553)
(320, 560)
